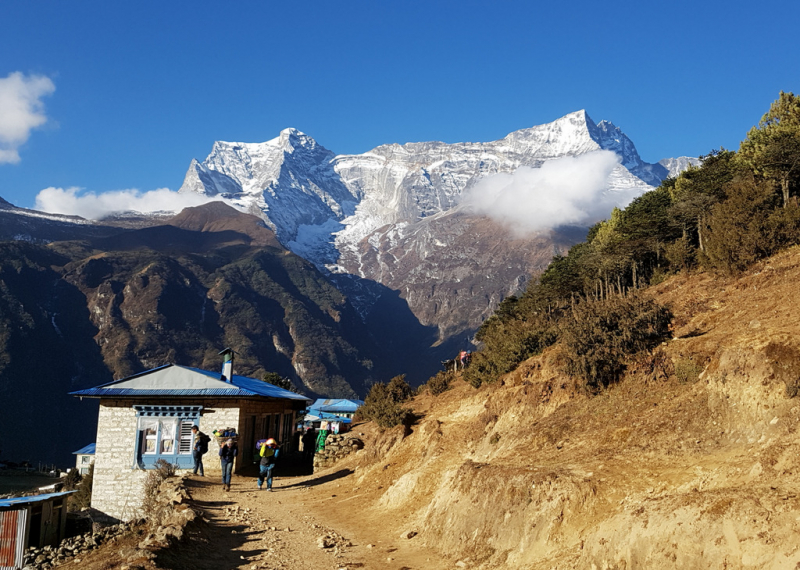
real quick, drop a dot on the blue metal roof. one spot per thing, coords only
(195, 382)
(88, 450)
(336, 406)
(32, 499)
(330, 418)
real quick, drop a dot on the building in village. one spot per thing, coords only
(332, 409)
(39, 520)
(149, 416)
(324, 413)
(84, 458)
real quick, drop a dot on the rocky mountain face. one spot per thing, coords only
(393, 215)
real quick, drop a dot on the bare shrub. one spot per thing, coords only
(382, 404)
(598, 336)
(83, 498)
(441, 382)
(687, 371)
(399, 389)
(508, 342)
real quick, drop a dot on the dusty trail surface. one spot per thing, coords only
(301, 525)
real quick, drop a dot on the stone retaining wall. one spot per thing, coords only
(336, 447)
(165, 526)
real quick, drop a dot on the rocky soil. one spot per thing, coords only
(691, 461)
(298, 526)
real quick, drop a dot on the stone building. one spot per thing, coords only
(149, 416)
(84, 458)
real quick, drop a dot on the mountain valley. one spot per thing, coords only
(348, 270)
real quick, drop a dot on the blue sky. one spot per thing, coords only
(138, 89)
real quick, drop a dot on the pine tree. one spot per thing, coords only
(772, 149)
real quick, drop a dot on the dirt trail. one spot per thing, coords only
(294, 527)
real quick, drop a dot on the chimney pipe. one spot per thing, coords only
(227, 364)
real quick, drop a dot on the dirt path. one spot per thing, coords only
(298, 526)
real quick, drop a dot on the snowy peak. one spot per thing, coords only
(322, 205)
(610, 137)
(289, 180)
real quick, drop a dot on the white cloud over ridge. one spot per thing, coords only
(74, 202)
(572, 190)
(21, 111)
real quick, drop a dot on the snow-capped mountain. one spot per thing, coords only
(393, 214)
(289, 181)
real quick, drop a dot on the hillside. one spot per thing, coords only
(690, 461)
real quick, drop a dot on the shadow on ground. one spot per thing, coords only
(320, 480)
(210, 545)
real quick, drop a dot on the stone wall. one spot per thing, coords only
(336, 447)
(162, 528)
(117, 484)
(217, 417)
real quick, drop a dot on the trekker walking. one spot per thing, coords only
(199, 449)
(227, 453)
(269, 455)
(322, 435)
(309, 442)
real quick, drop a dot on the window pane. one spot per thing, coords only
(185, 444)
(148, 427)
(168, 436)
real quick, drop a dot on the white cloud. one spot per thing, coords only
(564, 191)
(21, 110)
(74, 202)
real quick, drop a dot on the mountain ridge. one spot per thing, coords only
(349, 214)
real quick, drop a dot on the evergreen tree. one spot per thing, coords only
(772, 149)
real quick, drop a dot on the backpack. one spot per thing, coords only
(203, 444)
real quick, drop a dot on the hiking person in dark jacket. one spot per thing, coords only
(199, 449)
(309, 441)
(227, 453)
(269, 455)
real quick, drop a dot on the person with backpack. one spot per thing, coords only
(227, 454)
(199, 449)
(269, 455)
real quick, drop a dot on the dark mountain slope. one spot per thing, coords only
(75, 314)
(46, 349)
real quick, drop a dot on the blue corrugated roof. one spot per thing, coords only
(88, 450)
(32, 499)
(336, 406)
(239, 386)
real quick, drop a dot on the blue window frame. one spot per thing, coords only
(165, 432)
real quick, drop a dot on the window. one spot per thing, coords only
(86, 459)
(165, 432)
